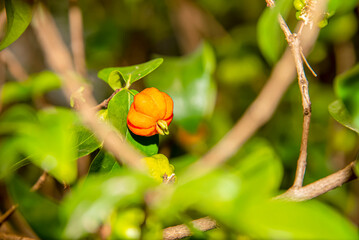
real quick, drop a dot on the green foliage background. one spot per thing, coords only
(213, 63)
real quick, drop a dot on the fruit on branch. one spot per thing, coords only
(160, 168)
(150, 113)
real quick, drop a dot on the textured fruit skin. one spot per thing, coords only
(148, 107)
(158, 166)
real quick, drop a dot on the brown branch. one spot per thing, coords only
(7, 214)
(182, 231)
(321, 186)
(77, 41)
(5, 236)
(294, 45)
(39, 182)
(59, 59)
(13, 65)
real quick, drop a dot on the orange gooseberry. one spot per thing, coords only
(150, 113)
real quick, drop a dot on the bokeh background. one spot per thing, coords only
(220, 48)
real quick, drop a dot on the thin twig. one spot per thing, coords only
(182, 231)
(39, 182)
(59, 59)
(308, 65)
(77, 40)
(7, 214)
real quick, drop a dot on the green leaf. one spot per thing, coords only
(270, 38)
(36, 209)
(260, 168)
(148, 146)
(91, 202)
(293, 220)
(35, 86)
(46, 138)
(10, 157)
(18, 14)
(341, 115)
(103, 163)
(118, 108)
(113, 76)
(188, 80)
(115, 80)
(86, 141)
(347, 89)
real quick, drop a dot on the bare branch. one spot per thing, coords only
(13, 65)
(7, 214)
(321, 186)
(182, 231)
(77, 41)
(39, 182)
(59, 59)
(6, 236)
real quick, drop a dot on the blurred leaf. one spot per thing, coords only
(341, 28)
(44, 82)
(36, 209)
(339, 6)
(10, 157)
(188, 80)
(103, 162)
(14, 92)
(35, 86)
(46, 138)
(128, 74)
(118, 108)
(292, 220)
(86, 141)
(126, 224)
(341, 115)
(271, 39)
(18, 15)
(260, 168)
(347, 89)
(92, 202)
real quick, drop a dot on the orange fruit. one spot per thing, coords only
(150, 113)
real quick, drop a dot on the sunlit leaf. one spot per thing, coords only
(113, 76)
(35, 86)
(18, 14)
(188, 80)
(291, 220)
(94, 200)
(46, 138)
